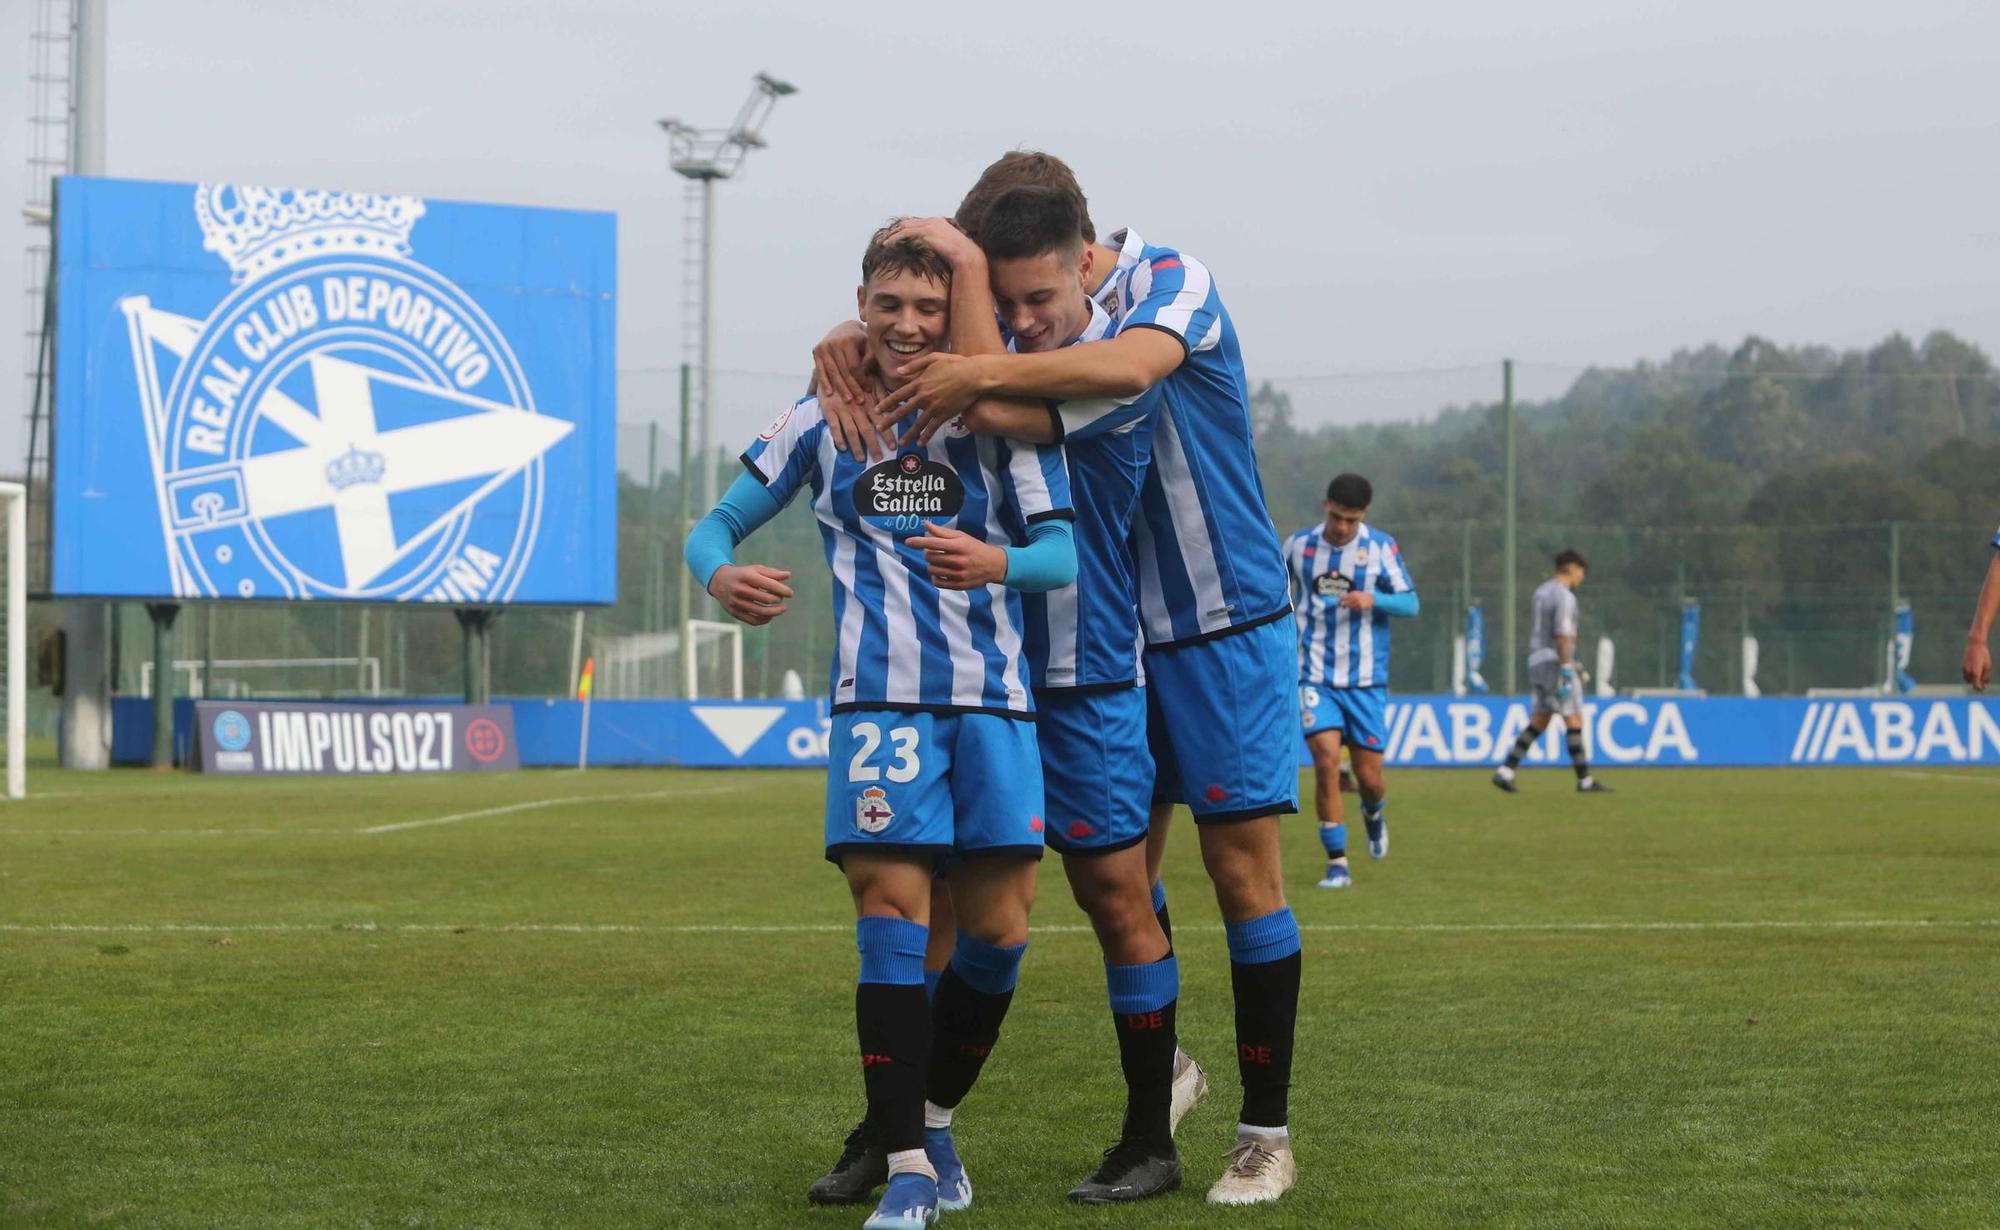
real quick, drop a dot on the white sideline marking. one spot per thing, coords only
(538, 804)
(1834, 924)
(5, 832)
(1947, 777)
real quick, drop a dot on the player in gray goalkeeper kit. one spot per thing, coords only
(1553, 675)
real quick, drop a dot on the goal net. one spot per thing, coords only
(14, 628)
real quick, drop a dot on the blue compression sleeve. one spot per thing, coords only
(710, 544)
(1399, 605)
(1047, 562)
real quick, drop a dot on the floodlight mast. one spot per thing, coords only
(702, 156)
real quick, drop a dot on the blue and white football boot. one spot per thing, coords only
(909, 1203)
(954, 1186)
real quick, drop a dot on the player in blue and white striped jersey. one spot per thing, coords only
(932, 753)
(1220, 662)
(1083, 644)
(1348, 581)
(1977, 664)
(1083, 650)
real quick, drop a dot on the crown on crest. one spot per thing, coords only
(259, 230)
(355, 466)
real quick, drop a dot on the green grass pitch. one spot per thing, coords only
(624, 998)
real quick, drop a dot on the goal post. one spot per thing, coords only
(698, 630)
(14, 506)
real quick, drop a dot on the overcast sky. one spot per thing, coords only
(1377, 187)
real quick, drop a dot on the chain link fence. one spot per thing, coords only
(1818, 592)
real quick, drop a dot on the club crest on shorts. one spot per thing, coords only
(872, 812)
(346, 422)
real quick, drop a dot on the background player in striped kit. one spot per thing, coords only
(1554, 676)
(932, 753)
(1348, 581)
(1977, 666)
(1220, 663)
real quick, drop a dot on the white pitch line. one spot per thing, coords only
(1947, 777)
(538, 804)
(1833, 924)
(251, 832)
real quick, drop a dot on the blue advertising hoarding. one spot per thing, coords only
(1424, 731)
(290, 394)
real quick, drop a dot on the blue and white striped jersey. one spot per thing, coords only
(1339, 648)
(1086, 635)
(1208, 555)
(901, 642)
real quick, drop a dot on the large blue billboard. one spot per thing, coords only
(287, 394)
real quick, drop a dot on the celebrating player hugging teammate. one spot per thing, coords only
(1348, 580)
(1205, 566)
(932, 755)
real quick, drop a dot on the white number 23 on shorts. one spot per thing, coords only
(903, 741)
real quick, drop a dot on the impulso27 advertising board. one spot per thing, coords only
(284, 737)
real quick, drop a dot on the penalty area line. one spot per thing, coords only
(1974, 778)
(539, 804)
(1831, 924)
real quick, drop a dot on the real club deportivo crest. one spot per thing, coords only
(346, 422)
(872, 812)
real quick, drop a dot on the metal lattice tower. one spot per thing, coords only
(702, 156)
(694, 314)
(52, 132)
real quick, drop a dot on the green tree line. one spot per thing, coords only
(1795, 491)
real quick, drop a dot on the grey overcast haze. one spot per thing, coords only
(1378, 188)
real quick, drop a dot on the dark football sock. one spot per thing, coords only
(1144, 999)
(893, 1024)
(1576, 758)
(966, 1013)
(1264, 965)
(1522, 746)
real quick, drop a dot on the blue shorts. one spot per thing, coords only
(1224, 724)
(1358, 714)
(1096, 768)
(943, 785)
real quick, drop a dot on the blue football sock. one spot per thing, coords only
(1334, 838)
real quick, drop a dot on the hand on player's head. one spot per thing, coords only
(944, 237)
